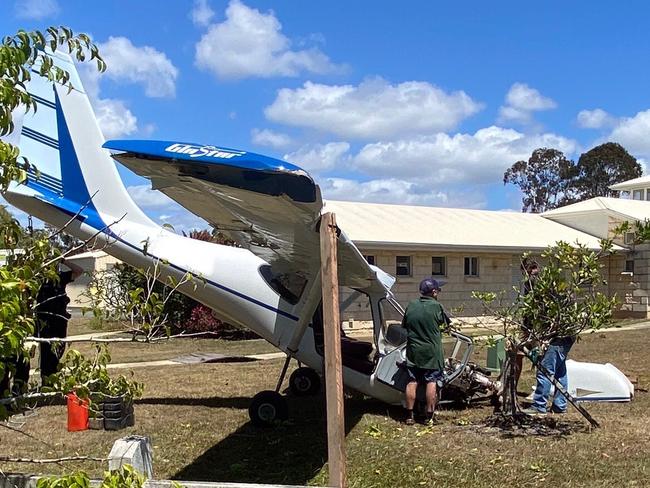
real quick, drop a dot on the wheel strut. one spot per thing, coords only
(283, 373)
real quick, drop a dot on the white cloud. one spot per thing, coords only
(250, 43)
(201, 13)
(398, 191)
(269, 138)
(143, 65)
(632, 133)
(521, 102)
(374, 108)
(469, 158)
(594, 119)
(35, 9)
(379, 191)
(115, 119)
(319, 157)
(127, 63)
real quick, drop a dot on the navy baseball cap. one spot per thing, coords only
(427, 285)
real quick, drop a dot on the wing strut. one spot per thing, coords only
(313, 298)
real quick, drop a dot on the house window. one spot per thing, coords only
(438, 266)
(370, 259)
(403, 266)
(637, 195)
(471, 266)
(629, 238)
(629, 266)
(647, 193)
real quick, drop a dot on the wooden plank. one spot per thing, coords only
(333, 365)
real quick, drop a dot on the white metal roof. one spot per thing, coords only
(619, 207)
(381, 225)
(631, 184)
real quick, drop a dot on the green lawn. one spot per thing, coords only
(198, 421)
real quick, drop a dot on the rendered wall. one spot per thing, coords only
(497, 272)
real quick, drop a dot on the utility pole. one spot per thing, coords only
(333, 364)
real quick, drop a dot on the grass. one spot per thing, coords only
(123, 352)
(198, 421)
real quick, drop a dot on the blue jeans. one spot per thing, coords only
(555, 363)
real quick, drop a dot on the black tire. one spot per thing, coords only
(267, 409)
(304, 382)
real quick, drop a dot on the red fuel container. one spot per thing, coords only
(77, 413)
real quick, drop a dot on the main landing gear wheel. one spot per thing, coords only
(267, 408)
(304, 382)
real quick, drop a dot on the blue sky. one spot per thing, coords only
(418, 102)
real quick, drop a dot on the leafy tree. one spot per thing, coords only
(545, 179)
(601, 167)
(22, 56)
(564, 301)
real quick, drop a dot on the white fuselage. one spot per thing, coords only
(226, 279)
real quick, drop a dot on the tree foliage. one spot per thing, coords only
(22, 56)
(563, 300)
(90, 378)
(603, 166)
(549, 180)
(544, 179)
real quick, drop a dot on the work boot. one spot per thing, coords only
(410, 419)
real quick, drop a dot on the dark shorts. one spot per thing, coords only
(421, 375)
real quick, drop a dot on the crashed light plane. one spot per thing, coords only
(270, 284)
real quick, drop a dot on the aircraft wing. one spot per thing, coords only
(268, 206)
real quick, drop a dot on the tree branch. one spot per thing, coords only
(8, 459)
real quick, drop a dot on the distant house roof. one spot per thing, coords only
(631, 184)
(88, 254)
(616, 207)
(381, 225)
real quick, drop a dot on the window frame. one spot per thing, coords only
(444, 265)
(467, 270)
(410, 266)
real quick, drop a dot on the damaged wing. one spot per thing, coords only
(268, 206)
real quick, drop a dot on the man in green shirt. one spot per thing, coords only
(424, 320)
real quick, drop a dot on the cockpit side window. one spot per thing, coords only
(391, 323)
(289, 286)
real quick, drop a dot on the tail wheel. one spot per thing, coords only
(267, 409)
(304, 382)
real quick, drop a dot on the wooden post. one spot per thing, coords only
(333, 365)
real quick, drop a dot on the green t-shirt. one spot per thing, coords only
(423, 321)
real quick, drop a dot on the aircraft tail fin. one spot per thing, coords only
(63, 140)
